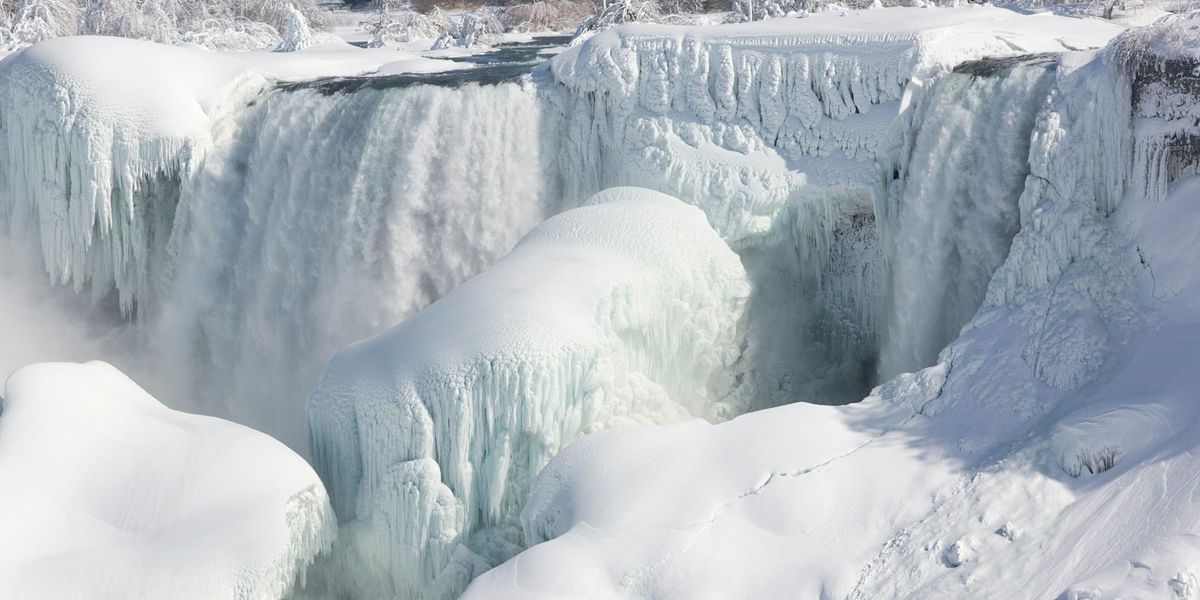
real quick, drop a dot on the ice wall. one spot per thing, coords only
(953, 210)
(786, 133)
(323, 217)
(93, 159)
(625, 311)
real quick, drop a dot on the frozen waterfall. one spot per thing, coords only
(305, 216)
(952, 212)
(325, 216)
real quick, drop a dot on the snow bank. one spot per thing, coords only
(625, 311)
(1050, 451)
(109, 494)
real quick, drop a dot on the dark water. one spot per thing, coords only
(506, 62)
(994, 66)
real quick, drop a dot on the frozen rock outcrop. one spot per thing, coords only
(624, 311)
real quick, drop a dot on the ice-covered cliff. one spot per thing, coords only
(249, 228)
(786, 133)
(625, 311)
(1047, 453)
(108, 494)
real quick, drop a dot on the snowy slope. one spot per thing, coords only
(625, 311)
(1048, 453)
(109, 494)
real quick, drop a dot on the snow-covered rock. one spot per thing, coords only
(624, 311)
(110, 495)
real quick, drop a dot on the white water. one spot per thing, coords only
(321, 219)
(953, 212)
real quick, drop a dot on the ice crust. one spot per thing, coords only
(109, 494)
(624, 311)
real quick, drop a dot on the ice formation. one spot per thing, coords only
(324, 217)
(166, 181)
(781, 131)
(1047, 453)
(953, 208)
(624, 311)
(93, 159)
(109, 494)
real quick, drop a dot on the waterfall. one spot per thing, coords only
(325, 216)
(953, 211)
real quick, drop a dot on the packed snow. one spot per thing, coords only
(108, 494)
(624, 311)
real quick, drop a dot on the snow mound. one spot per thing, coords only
(109, 494)
(626, 311)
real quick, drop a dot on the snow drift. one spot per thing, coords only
(625, 311)
(109, 494)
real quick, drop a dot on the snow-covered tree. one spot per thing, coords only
(222, 24)
(39, 20)
(297, 35)
(396, 24)
(544, 15)
(615, 13)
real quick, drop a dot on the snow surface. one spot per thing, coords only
(625, 311)
(109, 494)
(1049, 451)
